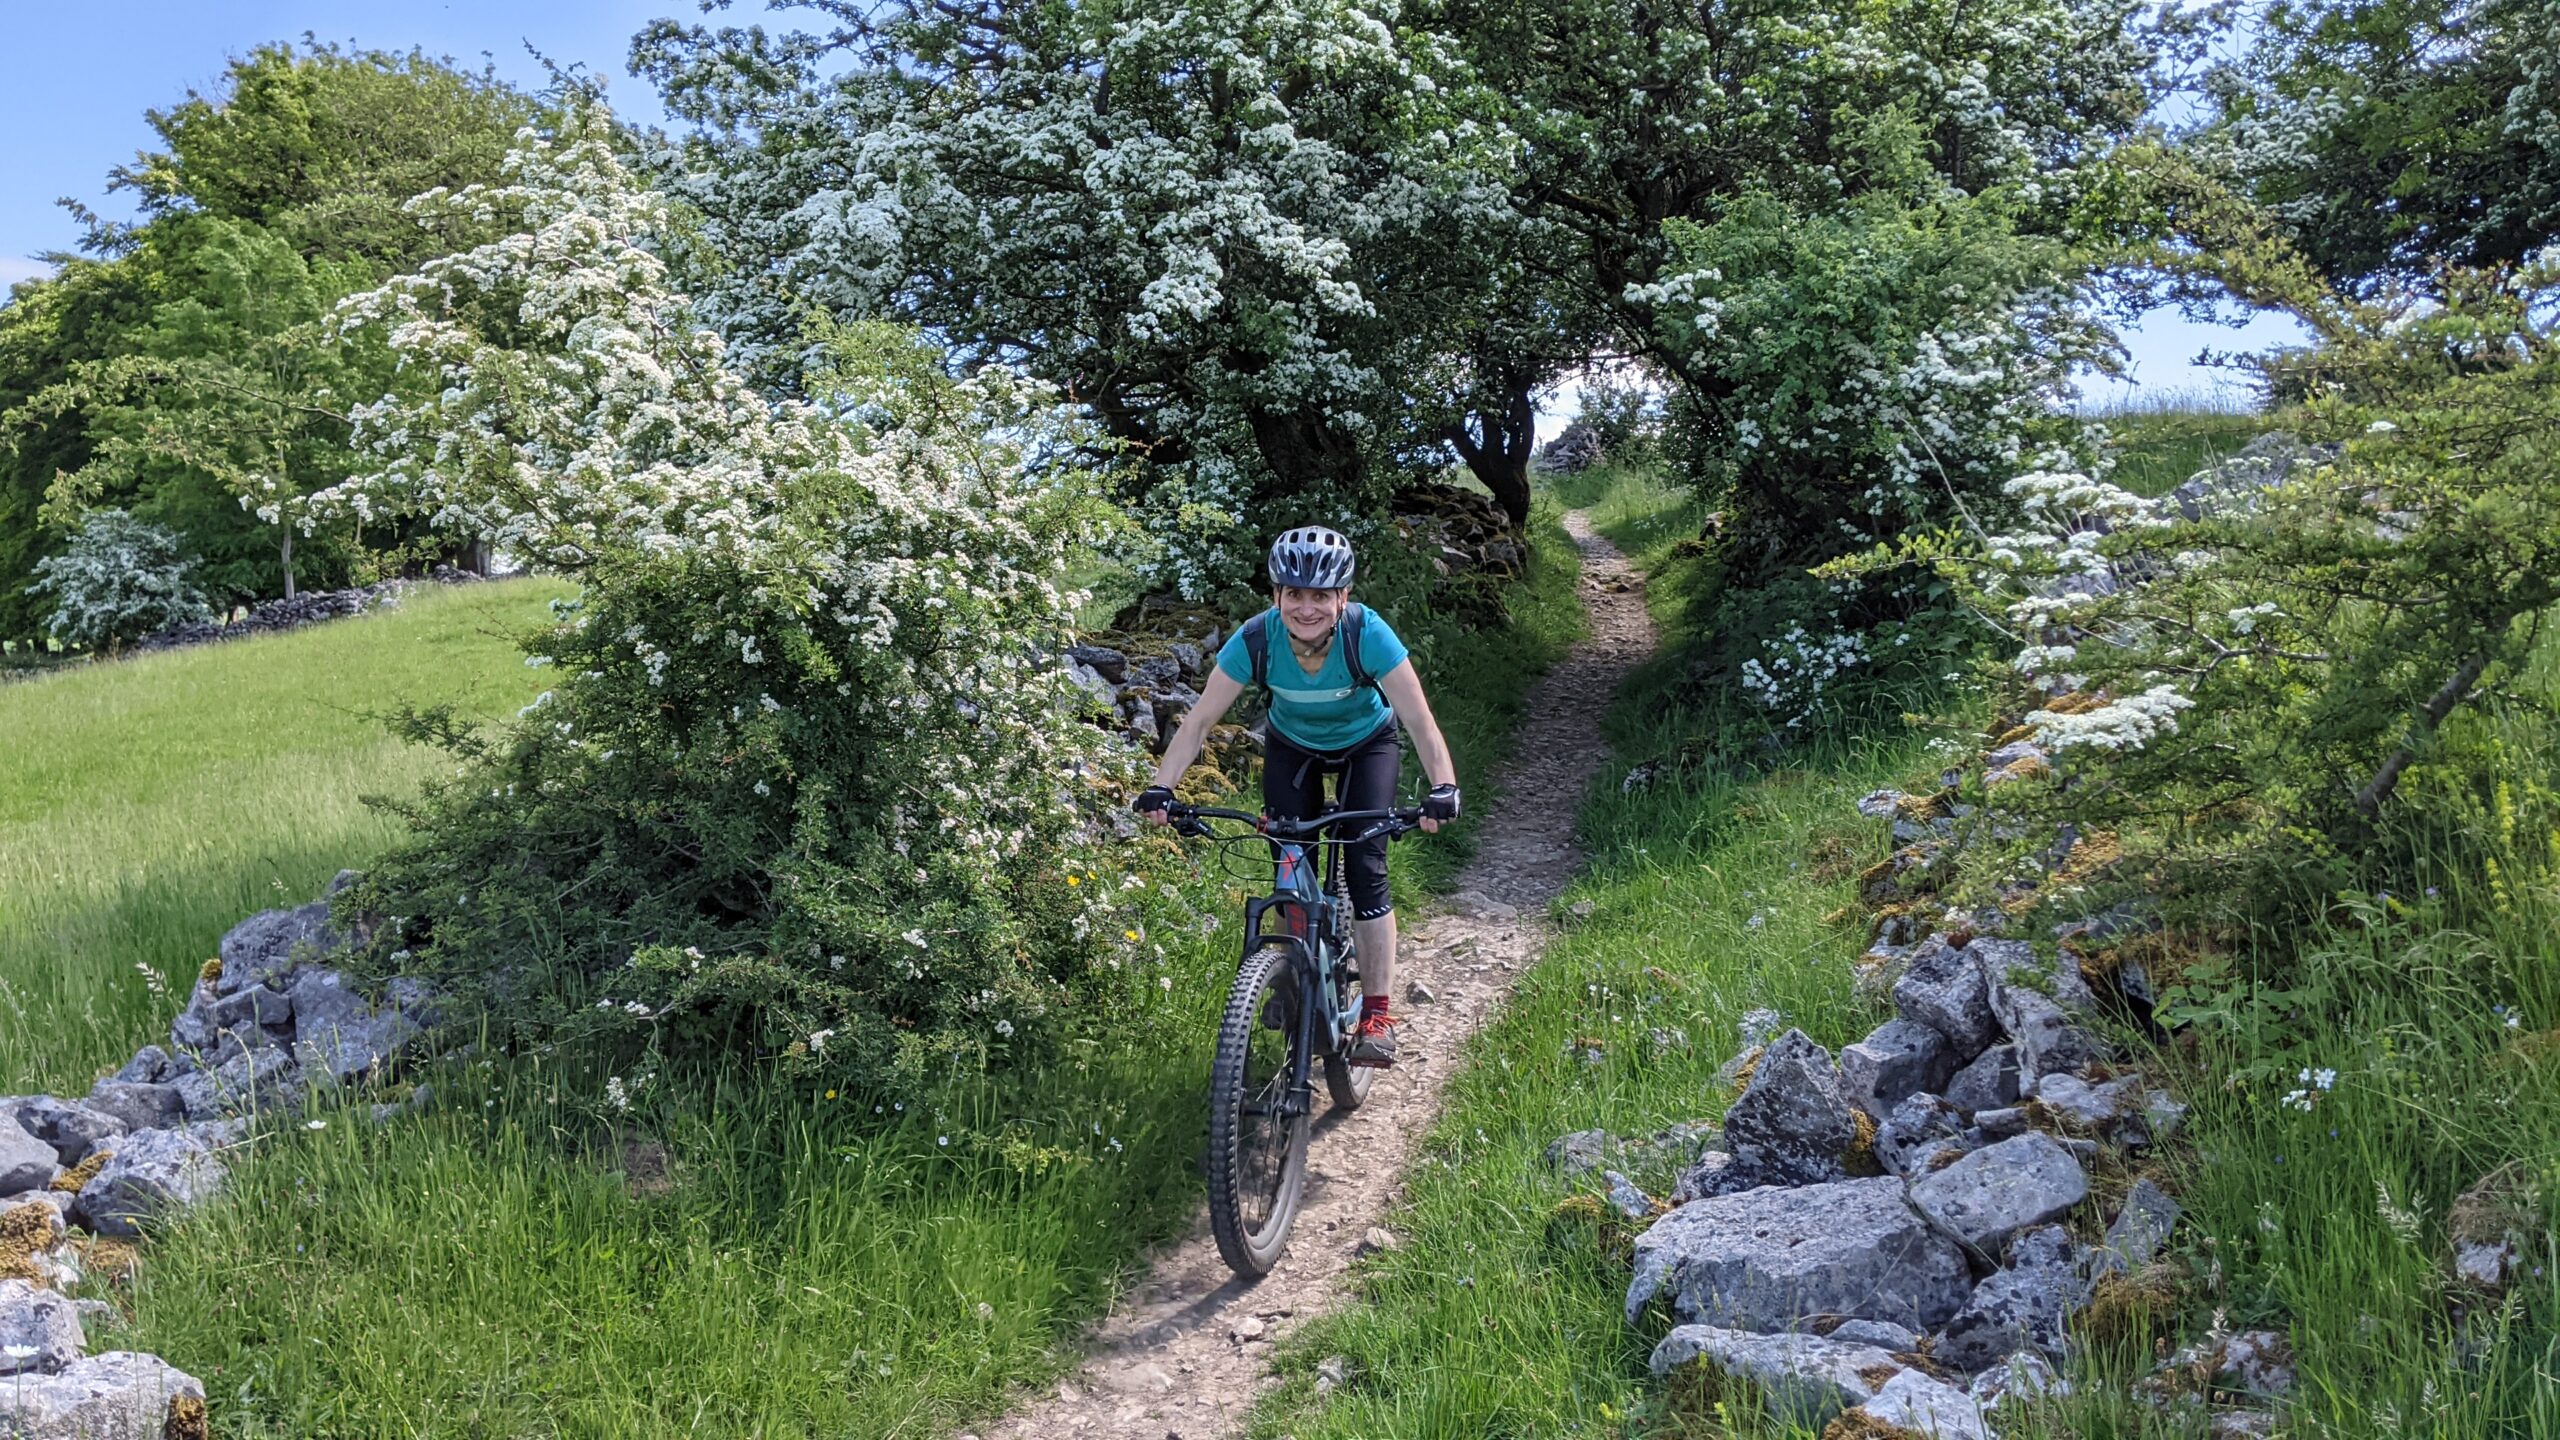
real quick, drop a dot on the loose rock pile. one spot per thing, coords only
(1574, 450)
(1893, 1241)
(266, 1026)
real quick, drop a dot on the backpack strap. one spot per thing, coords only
(1355, 618)
(1257, 650)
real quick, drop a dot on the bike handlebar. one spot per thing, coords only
(1186, 821)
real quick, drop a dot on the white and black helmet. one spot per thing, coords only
(1311, 558)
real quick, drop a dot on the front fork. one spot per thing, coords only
(1315, 1014)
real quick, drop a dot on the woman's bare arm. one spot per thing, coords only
(1403, 689)
(1216, 695)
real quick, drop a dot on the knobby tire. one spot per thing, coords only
(1256, 1168)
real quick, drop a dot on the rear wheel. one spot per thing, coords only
(1347, 1084)
(1257, 1131)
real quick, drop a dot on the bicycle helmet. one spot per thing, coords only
(1311, 558)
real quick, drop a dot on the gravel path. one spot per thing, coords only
(1185, 1354)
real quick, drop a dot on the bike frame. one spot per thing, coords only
(1305, 924)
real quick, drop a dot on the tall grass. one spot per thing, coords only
(147, 805)
(2156, 451)
(734, 1255)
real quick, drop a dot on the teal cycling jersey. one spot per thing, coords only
(1323, 711)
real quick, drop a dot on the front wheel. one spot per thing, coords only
(1257, 1127)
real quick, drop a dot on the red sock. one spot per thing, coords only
(1373, 1005)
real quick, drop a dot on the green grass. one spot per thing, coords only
(147, 805)
(518, 1262)
(1501, 1314)
(2158, 451)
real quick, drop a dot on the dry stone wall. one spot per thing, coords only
(1895, 1240)
(269, 1026)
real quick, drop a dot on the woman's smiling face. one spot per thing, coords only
(1310, 614)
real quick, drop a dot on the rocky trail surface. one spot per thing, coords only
(1186, 1353)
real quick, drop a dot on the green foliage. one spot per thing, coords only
(2391, 136)
(324, 147)
(184, 373)
(2265, 675)
(2153, 453)
(810, 781)
(120, 580)
(1883, 366)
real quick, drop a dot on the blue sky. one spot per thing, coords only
(74, 83)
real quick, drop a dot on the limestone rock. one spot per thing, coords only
(2140, 1228)
(1765, 1259)
(2258, 1361)
(71, 1128)
(1900, 1058)
(149, 1066)
(254, 1005)
(140, 1105)
(1805, 1378)
(2001, 1124)
(1792, 1122)
(2024, 1374)
(266, 945)
(26, 1163)
(1882, 1334)
(2020, 1307)
(2485, 1263)
(1994, 1193)
(2090, 1109)
(192, 1030)
(120, 1395)
(42, 1324)
(1627, 1197)
(254, 1079)
(1579, 1153)
(338, 1035)
(2046, 1040)
(1989, 1083)
(152, 1173)
(1933, 1409)
(1912, 1137)
(1711, 1174)
(1945, 989)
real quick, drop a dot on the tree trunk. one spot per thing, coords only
(2431, 718)
(1305, 453)
(289, 591)
(1499, 452)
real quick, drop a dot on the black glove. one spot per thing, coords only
(1441, 803)
(1152, 799)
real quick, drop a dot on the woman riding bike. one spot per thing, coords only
(1333, 710)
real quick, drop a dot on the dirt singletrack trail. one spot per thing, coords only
(1185, 1354)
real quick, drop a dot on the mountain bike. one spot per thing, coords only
(1295, 1002)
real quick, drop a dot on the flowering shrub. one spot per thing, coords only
(119, 579)
(1881, 368)
(808, 780)
(2257, 664)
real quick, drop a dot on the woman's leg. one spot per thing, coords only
(1369, 779)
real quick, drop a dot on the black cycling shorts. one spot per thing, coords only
(1293, 789)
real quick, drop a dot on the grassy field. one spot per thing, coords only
(147, 805)
(732, 1257)
(1500, 1316)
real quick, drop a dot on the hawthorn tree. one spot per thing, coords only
(2394, 136)
(1240, 236)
